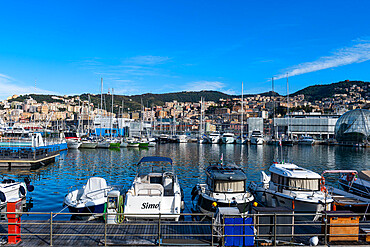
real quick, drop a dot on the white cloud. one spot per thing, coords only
(10, 86)
(148, 60)
(204, 85)
(358, 53)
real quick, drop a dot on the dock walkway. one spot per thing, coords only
(85, 233)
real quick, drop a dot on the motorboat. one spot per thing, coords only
(226, 186)
(90, 198)
(214, 137)
(155, 191)
(182, 138)
(257, 138)
(163, 138)
(228, 138)
(73, 143)
(293, 187)
(347, 199)
(356, 183)
(306, 140)
(10, 189)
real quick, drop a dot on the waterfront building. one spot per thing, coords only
(353, 128)
(320, 126)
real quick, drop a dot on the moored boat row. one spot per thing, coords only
(156, 192)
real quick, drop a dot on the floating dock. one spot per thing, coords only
(30, 157)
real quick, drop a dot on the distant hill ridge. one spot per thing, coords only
(312, 93)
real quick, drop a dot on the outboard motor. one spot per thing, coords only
(112, 206)
(30, 187)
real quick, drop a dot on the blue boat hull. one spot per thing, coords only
(96, 209)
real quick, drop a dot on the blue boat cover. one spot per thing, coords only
(155, 158)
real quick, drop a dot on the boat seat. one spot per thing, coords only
(142, 189)
(168, 185)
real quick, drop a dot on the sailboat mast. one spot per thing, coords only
(273, 111)
(287, 93)
(101, 105)
(111, 132)
(242, 120)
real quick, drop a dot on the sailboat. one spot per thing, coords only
(241, 139)
(273, 139)
(287, 140)
(102, 143)
(113, 143)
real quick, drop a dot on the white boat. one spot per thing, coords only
(155, 191)
(257, 138)
(103, 144)
(182, 138)
(226, 186)
(152, 144)
(132, 142)
(214, 137)
(73, 143)
(90, 198)
(228, 138)
(10, 189)
(88, 144)
(306, 140)
(294, 187)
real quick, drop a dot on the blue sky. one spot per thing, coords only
(169, 46)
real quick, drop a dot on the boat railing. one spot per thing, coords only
(277, 228)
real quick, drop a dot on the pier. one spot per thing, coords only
(30, 157)
(191, 232)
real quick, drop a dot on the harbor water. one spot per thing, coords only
(118, 167)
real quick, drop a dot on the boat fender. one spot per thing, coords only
(27, 181)
(30, 187)
(22, 190)
(2, 196)
(322, 181)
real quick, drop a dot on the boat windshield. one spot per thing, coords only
(229, 186)
(304, 184)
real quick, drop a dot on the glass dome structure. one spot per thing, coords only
(353, 126)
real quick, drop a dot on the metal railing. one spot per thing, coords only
(269, 228)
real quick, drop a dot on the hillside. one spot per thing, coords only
(318, 92)
(312, 93)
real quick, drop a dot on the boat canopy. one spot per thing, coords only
(155, 159)
(293, 171)
(225, 172)
(155, 164)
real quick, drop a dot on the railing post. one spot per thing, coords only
(212, 229)
(159, 230)
(51, 228)
(326, 229)
(274, 229)
(105, 229)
